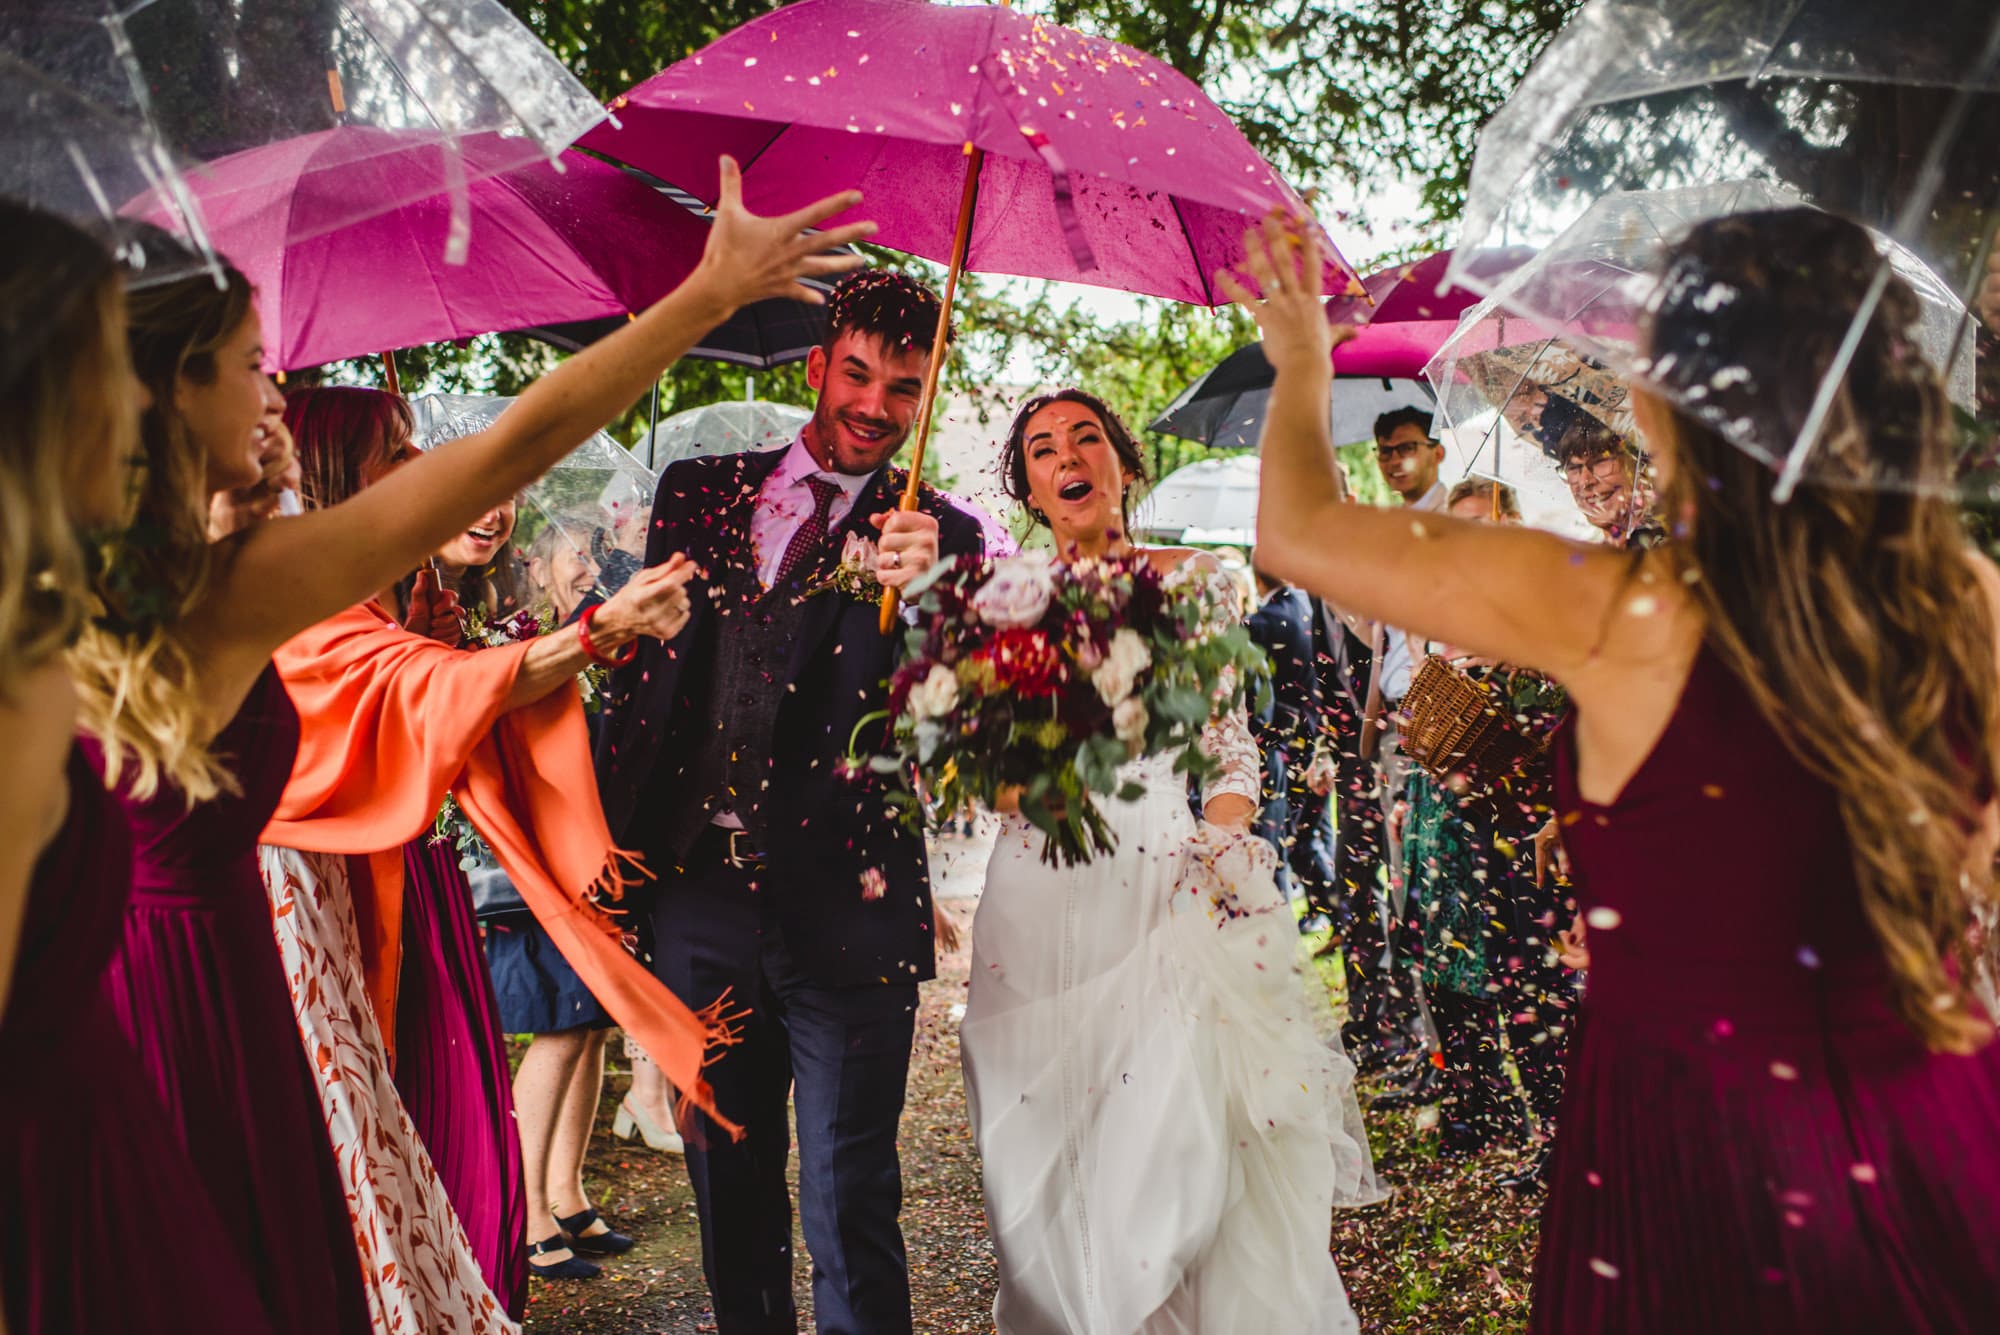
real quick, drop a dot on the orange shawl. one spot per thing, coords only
(389, 721)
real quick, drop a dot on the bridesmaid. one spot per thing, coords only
(201, 757)
(92, 1173)
(1777, 792)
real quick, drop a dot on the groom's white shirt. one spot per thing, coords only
(787, 502)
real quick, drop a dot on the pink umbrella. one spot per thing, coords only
(979, 137)
(1407, 315)
(549, 244)
(1101, 164)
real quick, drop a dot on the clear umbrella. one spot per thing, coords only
(730, 427)
(1564, 327)
(64, 154)
(1850, 105)
(592, 504)
(207, 79)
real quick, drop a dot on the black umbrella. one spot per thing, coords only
(760, 336)
(1225, 408)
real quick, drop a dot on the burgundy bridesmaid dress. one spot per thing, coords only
(451, 1067)
(105, 1226)
(199, 987)
(1752, 1140)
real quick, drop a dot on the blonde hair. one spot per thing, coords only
(62, 363)
(1499, 497)
(135, 681)
(1851, 614)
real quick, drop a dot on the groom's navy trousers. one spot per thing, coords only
(843, 1055)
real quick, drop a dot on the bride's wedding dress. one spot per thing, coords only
(1163, 1134)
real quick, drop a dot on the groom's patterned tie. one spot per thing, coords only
(810, 534)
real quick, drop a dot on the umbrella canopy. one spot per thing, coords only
(563, 241)
(1406, 312)
(212, 78)
(1565, 325)
(760, 336)
(1849, 105)
(1210, 501)
(1839, 101)
(1226, 407)
(64, 154)
(598, 495)
(1101, 165)
(731, 427)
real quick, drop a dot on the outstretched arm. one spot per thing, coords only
(291, 573)
(1504, 592)
(653, 602)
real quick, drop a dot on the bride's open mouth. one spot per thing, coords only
(1076, 489)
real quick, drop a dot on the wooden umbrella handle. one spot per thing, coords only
(960, 241)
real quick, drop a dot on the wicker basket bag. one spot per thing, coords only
(1452, 725)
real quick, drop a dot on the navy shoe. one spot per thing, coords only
(607, 1243)
(574, 1267)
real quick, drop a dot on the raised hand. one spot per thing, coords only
(231, 511)
(1283, 259)
(1550, 855)
(749, 257)
(653, 602)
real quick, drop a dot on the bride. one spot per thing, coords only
(1163, 1135)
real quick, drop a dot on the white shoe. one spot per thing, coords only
(631, 1124)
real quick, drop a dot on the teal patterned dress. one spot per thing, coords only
(1463, 856)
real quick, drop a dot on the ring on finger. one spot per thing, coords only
(895, 560)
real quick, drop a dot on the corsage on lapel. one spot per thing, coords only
(855, 575)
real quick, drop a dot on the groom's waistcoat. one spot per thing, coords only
(729, 712)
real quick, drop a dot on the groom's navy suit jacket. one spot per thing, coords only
(823, 830)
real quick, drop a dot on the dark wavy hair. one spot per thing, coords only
(892, 308)
(1014, 455)
(343, 433)
(1852, 613)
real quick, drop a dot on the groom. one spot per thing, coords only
(781, 882)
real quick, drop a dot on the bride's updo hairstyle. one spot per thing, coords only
(1851, 613)
(1014, 454)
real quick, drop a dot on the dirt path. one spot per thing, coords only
(1447, 1254)
(657, 1287)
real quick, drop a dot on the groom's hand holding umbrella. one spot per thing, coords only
(908, 547)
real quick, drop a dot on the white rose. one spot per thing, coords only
(1129, 721)
(1127, 657)
(935, 695)
(1017, 593)
(858, 552)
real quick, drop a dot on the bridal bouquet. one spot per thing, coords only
(1048, 678)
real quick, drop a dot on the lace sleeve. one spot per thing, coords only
(1228, 741)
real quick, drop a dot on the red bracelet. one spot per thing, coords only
(590, 649)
